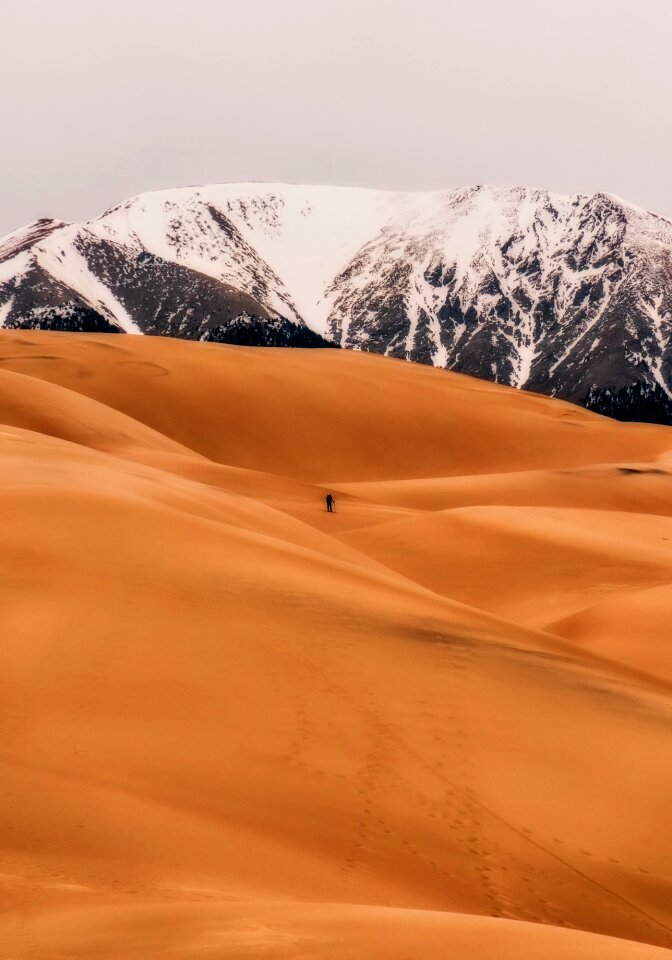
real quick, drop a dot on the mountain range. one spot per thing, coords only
(570, 296)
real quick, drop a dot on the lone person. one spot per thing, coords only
(330, 503)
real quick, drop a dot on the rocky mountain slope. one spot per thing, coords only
(570, 296)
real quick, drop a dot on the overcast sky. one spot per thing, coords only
(102, 99)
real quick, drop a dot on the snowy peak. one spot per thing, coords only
(569, 295)
(23, 239)
(281, 243)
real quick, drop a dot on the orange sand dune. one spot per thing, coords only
(234, 725)
(317, 417)
(636, 488)
(528, 564)
(279, 930)
(634, 628)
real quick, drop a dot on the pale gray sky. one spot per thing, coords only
(102, 99)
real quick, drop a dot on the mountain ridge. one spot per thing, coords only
(570, 296)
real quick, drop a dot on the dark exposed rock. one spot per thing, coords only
(164, 299)
(35, 301)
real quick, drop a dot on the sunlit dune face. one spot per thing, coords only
(433, 722)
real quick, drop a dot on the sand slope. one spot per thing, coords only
(632, 627)
(529, 564)
(234, 725)
(636, 488)
(322, 418)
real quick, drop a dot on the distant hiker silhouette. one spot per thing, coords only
(330, 503)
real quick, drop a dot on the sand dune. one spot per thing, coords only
(279, 930)
(633, 627)
(236, 726)
(533, 565)
(634, 488)
(323, 419)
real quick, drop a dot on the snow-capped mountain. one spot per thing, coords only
(566, 295)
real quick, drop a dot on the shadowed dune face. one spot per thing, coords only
(433, 723)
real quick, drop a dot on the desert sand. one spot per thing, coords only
(435, 724)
